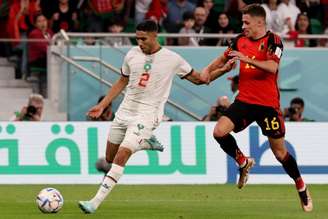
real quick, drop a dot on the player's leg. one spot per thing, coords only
(110, 180)
(130, 144)
(104, 164)
(235, 118)
(290, 166)
(273, 126)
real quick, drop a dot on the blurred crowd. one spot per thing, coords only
(39, 20)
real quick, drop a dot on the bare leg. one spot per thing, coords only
(104, 164)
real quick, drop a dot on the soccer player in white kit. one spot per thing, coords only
(147, 73)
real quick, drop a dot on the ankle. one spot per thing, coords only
(300, 185)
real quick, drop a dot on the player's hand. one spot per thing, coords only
(230, 64)
(238, 55)
(95, 112)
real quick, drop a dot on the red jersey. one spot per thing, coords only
(257, 86)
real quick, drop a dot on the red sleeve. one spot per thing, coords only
(12, 25)
(275, 48)
(232, 45)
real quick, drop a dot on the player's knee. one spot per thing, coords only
(219, 133)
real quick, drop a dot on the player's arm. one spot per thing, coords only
(216, 63)
(221, 60)
(116, 89)
(230, 64)
(266, 65)
(196, 77)
(274, 53)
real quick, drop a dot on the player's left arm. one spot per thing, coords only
(267, 65)
(274, 53)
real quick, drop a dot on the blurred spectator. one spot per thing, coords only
(141, 8)
(64, 17)
(218, 109)
(157, 11)
(150, 9)
(212, 15)
(37, 56)
(33, 111)
(324, 42)
(311, 7)
(116, 26)
(200, 19)
(232, 9)
(303, 26)
(176, 9)
(107, 115)
(90, 21)
(20, 20)
(273, 20)
(223, 27)
(188, 24)
(288, 13)
(4, 12)
(295, 111)
(324, 5)
(234, 86)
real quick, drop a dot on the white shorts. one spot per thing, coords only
(130, 133)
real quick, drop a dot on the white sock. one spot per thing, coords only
(107, 185)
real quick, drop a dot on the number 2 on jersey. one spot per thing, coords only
(144, 79)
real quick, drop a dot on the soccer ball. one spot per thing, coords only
(49, 200)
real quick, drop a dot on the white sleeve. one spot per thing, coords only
(183, 68)
(125, 70)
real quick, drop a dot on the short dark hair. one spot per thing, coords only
(147, 26)
(254, 10)
(297, 100)
(188, 15)
(35, 18)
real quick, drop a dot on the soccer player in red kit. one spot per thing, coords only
(259, 52)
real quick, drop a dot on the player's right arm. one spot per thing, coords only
(116, 89)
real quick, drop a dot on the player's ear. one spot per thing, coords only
(153, 34)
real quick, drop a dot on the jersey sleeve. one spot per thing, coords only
(125, 69)
(183, 68)
(232, 45)
(275, 48)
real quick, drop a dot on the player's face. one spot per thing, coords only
(146, 41)
(251, 25)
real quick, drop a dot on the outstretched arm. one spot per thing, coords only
(213, 75)
(197, 78)
(116, 89)
(216, 63)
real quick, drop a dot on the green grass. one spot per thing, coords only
(170, 201)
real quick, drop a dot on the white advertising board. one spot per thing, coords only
(66, 152)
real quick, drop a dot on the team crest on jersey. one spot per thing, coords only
(140, 127)
(261, 46)
(147, 67)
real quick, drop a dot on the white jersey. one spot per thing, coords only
(150, 81)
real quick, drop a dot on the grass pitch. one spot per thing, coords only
(170, 201)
